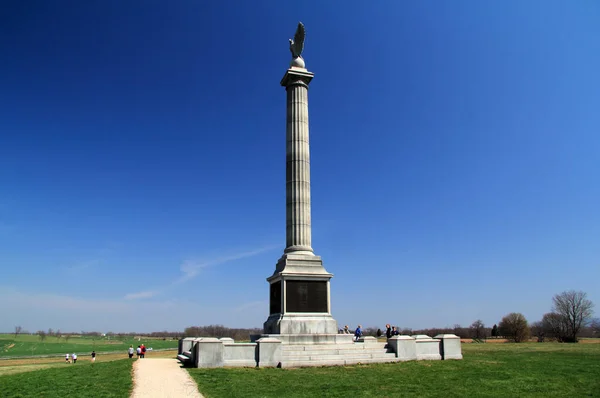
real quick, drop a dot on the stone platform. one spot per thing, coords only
(329, 350)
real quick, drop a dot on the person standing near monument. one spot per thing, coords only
(388, 331)
(358, 333)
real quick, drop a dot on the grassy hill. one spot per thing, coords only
(32, 345)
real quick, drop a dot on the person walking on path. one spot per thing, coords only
(130, 351)
(139, 351)
(93, 356)
(67, 358)
(74, 356)
(143, 347)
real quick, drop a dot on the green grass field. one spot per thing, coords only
(31, 345)
(492, 370)
(487, 370)
(110, 379)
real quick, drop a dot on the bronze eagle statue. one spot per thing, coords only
(297, 44)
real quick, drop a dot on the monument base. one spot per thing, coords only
(300, 324)
(307, 339)
(298, 350)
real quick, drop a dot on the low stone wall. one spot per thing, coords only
(239, 354)
(423, 347)
(268, 351)
(427, 348)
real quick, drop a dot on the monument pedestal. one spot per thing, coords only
(300, 297)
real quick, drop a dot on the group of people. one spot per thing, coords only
(357, 332)
(141, 351)
(389, 331)
(74, 357)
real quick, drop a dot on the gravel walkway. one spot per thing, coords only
(162, 377)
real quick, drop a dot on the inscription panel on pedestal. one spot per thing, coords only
(306, 296)
(275, 298)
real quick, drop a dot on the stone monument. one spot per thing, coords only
(299, 287)
(300, 330)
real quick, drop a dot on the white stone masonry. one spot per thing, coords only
(298, 221)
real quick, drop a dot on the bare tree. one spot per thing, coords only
(477, 329)
(18, 329)
(596, 325)
(514, 327)
(576, 311)
(67, 336)
(42, 335)
(554, 326)
(58, 334)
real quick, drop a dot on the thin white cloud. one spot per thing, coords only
(191, 268)
(141, 295)
(39, 311)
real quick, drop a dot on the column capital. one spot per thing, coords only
(295, 75)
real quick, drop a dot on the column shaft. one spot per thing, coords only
(298, 222)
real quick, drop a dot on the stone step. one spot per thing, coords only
(338, 362)
(326, 347)
(334, 352)
(183, 358)
(335, 357)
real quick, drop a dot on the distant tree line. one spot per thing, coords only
(569, 319)
(220, 331)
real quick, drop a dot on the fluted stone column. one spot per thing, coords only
(300, 299)
(298, 222)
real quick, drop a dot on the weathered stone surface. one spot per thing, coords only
(298, 221)
(404, 347)
(185, 344)
(450, 347)
(269, 352)
(367, 340)
(428, 349)
(300, 324)
(208, 353)
(239, 354)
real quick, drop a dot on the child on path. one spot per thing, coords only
(93, 356)
(67, 358)
(74, 356)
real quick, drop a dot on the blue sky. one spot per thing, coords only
(454, 148)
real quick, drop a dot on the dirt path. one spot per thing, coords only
(162, 377)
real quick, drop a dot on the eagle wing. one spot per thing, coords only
(299, 39)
